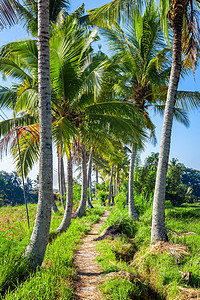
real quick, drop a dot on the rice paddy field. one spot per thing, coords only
(132, 267)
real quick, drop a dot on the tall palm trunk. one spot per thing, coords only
(158, 232)
(131, 205)
(110, 186)
(61, 179)
(97, 181)
(81, 209)
(36, 249)
(127, 193)
(97, 176)
(89, 179)
(116, 183)
(66, 221)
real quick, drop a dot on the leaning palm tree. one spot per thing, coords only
(142, 61)
(186, 39)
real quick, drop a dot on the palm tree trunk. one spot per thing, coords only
(36, 249)
(131, 205)
(63, 186)
(97, 176)
(110, 186)
(97, 180)
(81, 209)
(116, 184)
(69, 200)
(158, 232)
(91, 191)
(61, 180)
(127, 197)
(89, 175)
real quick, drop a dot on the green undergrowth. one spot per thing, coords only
(134, 269)
(54, 279)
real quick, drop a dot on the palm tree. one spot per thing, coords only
(36, 249)
(183, 21)
(141, 60)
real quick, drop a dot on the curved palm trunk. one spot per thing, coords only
(69, 200)
(131, 205)
(61, 180)
(35, 251)
(81, 209)
(158, 232)
(110, 186)
(89, 175)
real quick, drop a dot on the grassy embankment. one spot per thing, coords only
(54, 280)
(137, 270)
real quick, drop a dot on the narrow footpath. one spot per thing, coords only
(88, 270)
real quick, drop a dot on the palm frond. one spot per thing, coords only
(13, 69)
(179, 114)
(6, 95)
(116, 10)
(188, 100)
(63, 131)
(7, 126)
(29, 150)
(8, 15)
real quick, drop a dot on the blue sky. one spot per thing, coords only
(185, 143)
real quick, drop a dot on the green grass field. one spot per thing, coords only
(55, 278)
(133, 268)
(137, 270)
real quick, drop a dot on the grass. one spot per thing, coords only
(54, 279)
(152, 271)
(133, 268)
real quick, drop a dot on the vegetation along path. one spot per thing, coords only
(88, 270)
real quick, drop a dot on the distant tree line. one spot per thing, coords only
(11, 191)
(183, 184)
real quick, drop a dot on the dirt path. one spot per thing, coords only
(88, 271)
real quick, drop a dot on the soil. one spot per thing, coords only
(88, 271)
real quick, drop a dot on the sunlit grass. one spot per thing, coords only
(54, 279)
(156, 271)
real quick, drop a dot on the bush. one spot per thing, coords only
(120, 200)
(168, 204)
(142, 204)
(102, 196)
(121, 218)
